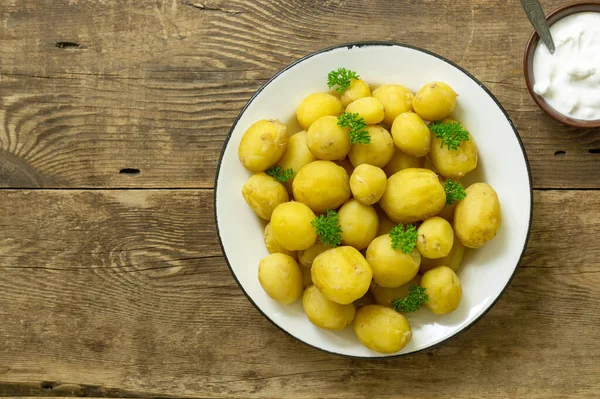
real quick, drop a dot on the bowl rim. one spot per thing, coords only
(553, 17)
(349, 46)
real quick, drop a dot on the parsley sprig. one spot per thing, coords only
(328, 228)
(341, 78)
(413, 302)
(280, 174)
(454, 191)
(451, 133)
(358, 128)
(404, 239)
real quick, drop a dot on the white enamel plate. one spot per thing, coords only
(484, 274)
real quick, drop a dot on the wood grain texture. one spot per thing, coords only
(90, 88)
(124, 293)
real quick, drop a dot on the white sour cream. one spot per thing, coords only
(569, 79)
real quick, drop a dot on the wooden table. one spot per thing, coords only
(112, 282)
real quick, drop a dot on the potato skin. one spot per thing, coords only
(322, 185)
(315, 106)
(342, 274)
(477, 217)
(292, 228)
(307, 257)
(453, 164)
(263, 194)
(391, 268)
(358, 89)
(367, 184)
(369, 108)
(412, 195)
(396, 100)
(381, 329)
(262, 145)
(411, 134)
(435, 101)
(273, 246)
(452, 260)
(443, 288)
(436, 238)
(296, 156)
(324, 313)
(359, 224)
(281, 278)
(377, 153)
(384, 295)
(400, 161)
(326, 140)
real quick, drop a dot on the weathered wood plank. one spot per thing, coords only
(125, 292)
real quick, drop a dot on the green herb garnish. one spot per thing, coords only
(404, 239)
(358, 128)
(328, 228)
(451, 133)
(280, 174)
(454, 191)
(341, 78)
(413, 302)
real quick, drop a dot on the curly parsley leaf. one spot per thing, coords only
(454, 191)
(413, 302)
(341, 78)
(451, 133)
(280, 174)
(358, 128)
(328, 228)
(404, 239)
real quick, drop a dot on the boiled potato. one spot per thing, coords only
(263, 145)
(385, 223)
(443, 288)
(401, 161)
(436, 238)
(369, 108)
(435, 101)
(359, 224)
(358, 89)
(391, 268)
(263, 193)
(296, 156)
(322, 185)
(307, 256)
(365, 300)
(326, 140)
(477, 217)
(452, 260)
(325, 313)
(273, 246)
(292, 226)
(411, 134)
(317, 105)
(342, 274)
(396, 100)
(281, 278)
(453, 164)
(378, 152)
(412, 195)
(381, 329)
(346, 164)
(384, 295)
(367, 184)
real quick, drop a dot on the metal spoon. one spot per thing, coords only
(536, 15)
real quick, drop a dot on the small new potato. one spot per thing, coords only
(378, 152)
(263, 145)
(412, 195)
(411, 134)
(273, 246)
(322, 185)
(342, 274)
(478, 216)
(452, 260)
(384, 295)
(292, 226)
(359, 224)
(368, 183)
(358, 89)
(443, 288)
(435, 101)
(281, 278)
(263, 193)
(369, 108)
(307, 257)
(391, 268)
(296, 156)
(324, 313)
(401, 161)
(396, 100)
(436, 238)
(382, 329)
(316, 106)
(453, 164)
(326, 140)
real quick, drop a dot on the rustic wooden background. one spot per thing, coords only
(112, 283)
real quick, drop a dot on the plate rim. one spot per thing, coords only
(349, 46)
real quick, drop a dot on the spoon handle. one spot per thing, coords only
(536, 15)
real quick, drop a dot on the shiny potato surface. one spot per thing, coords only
(381, 329)
(262, 145)
(281, 278)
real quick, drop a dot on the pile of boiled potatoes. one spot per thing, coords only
(373, 187)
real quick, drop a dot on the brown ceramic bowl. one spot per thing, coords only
(553, 17)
